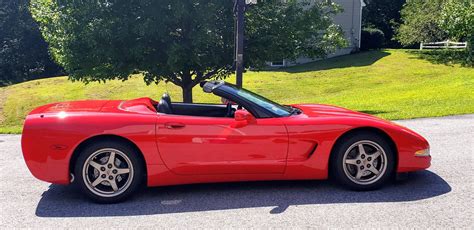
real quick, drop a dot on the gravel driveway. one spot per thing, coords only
(440, 197)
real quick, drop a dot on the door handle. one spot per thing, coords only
(174, 125)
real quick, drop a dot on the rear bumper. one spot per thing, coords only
(53, 173)
(45, 160)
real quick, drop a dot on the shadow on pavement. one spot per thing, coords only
(65, 201)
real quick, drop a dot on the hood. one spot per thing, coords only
(324, 111)
(320, 110)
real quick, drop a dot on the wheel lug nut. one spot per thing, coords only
(361, 167)
(109, 166)
(368, 166)
(102, 168)
(103, 176)
(114, 171)
(111, 177)
(369, 158)
(362, 156)
(358, 161)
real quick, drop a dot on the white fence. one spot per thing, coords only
(443, 45)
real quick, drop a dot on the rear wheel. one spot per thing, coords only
(108, 172)
(363, 161)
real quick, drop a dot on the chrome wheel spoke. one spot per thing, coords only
(95, 165)
(361, 149)
(374, 170)
(113, 184)
(359, 174)
(351, 161)
(375, 155)
(122, 171)
(111, 158)
(97, 182)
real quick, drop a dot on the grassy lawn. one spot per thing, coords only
(392, 84)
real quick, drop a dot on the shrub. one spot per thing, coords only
(372, 39)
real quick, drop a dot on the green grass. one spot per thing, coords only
(392, 84)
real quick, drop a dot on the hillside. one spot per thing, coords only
(392, 84)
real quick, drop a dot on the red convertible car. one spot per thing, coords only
(111, 148)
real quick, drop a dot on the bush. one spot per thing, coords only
(372, 39)
(445, 56)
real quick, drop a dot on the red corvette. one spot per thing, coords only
(110, 148)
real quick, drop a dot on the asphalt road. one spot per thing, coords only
(439, 197)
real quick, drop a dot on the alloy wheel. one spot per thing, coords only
(108, 172)
(364, 162)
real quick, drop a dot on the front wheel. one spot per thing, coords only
(108, 172)
(363, 161)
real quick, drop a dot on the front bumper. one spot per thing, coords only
(414, 163)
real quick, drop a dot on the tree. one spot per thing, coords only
(371, 39)
(383, 15)
(457, 19)
(420, 22)
(178, 41)
(23, 52)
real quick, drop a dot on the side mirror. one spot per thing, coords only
(241, 118)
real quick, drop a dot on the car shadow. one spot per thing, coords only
(65, 201)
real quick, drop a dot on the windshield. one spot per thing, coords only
(274, 107)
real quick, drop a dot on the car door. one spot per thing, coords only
(211, 145)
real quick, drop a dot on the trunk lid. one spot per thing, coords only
(71, 106)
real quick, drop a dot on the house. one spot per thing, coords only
(350, 21)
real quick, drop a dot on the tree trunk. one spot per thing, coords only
(187, 86)
(187, 94)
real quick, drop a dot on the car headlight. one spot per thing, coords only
(422, 153)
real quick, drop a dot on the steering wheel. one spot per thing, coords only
(230, 111)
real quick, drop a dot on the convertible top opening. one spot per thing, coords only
(190, 109)
(235, 98)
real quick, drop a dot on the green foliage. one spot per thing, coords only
(178, 41)
(23, 52)
(457, 19)
(428, 21)
(420, 22)
(383, 15)
(276, 31)
(372, 39)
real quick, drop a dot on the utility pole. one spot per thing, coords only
(239, 12)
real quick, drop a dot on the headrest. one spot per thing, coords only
(167, 98)
(164, 107)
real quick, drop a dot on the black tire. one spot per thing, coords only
(85, 174)
(347, 175)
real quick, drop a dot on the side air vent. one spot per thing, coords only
(312, 150)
